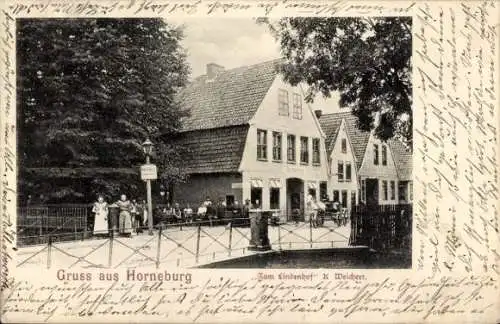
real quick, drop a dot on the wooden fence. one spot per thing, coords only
(382, 227)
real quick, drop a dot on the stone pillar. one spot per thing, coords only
(259, 240)
(113, 217)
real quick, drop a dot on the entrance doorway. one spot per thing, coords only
(371, 192)
(294, 197)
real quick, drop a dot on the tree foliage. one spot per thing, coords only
(367, 60)
(90, 91)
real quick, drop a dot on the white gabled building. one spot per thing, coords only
(251, 136)
(383, 170)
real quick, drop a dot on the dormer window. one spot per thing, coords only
(375, 154)
(297, 106)
(344, 145)
(283, 107)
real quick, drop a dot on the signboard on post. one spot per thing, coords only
(149, 172)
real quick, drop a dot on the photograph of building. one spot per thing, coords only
(223, 137)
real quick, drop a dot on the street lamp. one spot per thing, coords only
(148, 173)
(147, 147)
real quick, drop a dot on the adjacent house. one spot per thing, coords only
(250, 136)
(343, 183)
(383, 170)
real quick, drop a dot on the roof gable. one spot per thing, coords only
(403, 158)
(330, 123)
(231, 98)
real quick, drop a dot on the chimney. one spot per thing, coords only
(318, 113)
(213, 70)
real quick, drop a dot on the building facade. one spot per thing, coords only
(343, 183)
(383, 170)
(251, 136)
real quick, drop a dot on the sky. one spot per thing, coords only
(230, 42)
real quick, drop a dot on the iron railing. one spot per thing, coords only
(182, 243)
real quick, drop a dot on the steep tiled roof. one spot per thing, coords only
(330, 123)
(213, 150)
(403, 159)
(231, 98)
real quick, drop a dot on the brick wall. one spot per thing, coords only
(198, 186)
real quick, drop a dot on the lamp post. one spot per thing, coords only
(148, 173)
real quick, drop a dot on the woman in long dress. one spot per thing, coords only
(100, 209)
(125, 226)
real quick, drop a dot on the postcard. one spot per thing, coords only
(249, 161)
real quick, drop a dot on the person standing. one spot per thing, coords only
(139, 214)
(145, 213)
(100, 210)
(125, 206)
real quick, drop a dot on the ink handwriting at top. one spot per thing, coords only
(191, 7)
(457, 150)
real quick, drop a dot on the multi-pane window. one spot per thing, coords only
(290, 148)
(304, 150)
(274, 198)
(344, 145)
(323, 189)
(283, 106)
(375, 154)
(316, 151)
(384, 189)
(344, 198)
(340, 170)
(297, 106)
(348, 172)
(336, 195)
(402, 186)
(384, 155)
(393, 190)
(261, 144)
(276, 146)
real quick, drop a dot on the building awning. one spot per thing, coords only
(312, 185)
(274, 183)
(257, 183)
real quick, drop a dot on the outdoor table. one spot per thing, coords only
(259, 240)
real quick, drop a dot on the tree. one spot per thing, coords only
(90, 91)
(367, 60)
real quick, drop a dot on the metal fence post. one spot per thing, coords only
(279, 236)
(158, 249)
(198, 242)
(49, 252)
(85, 221)
(230, 237)
(310, 232)
(110, 250)
(74, 229)
(41, 225)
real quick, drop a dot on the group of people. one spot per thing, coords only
(207, 210)
(316, 208)
(132, 216)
